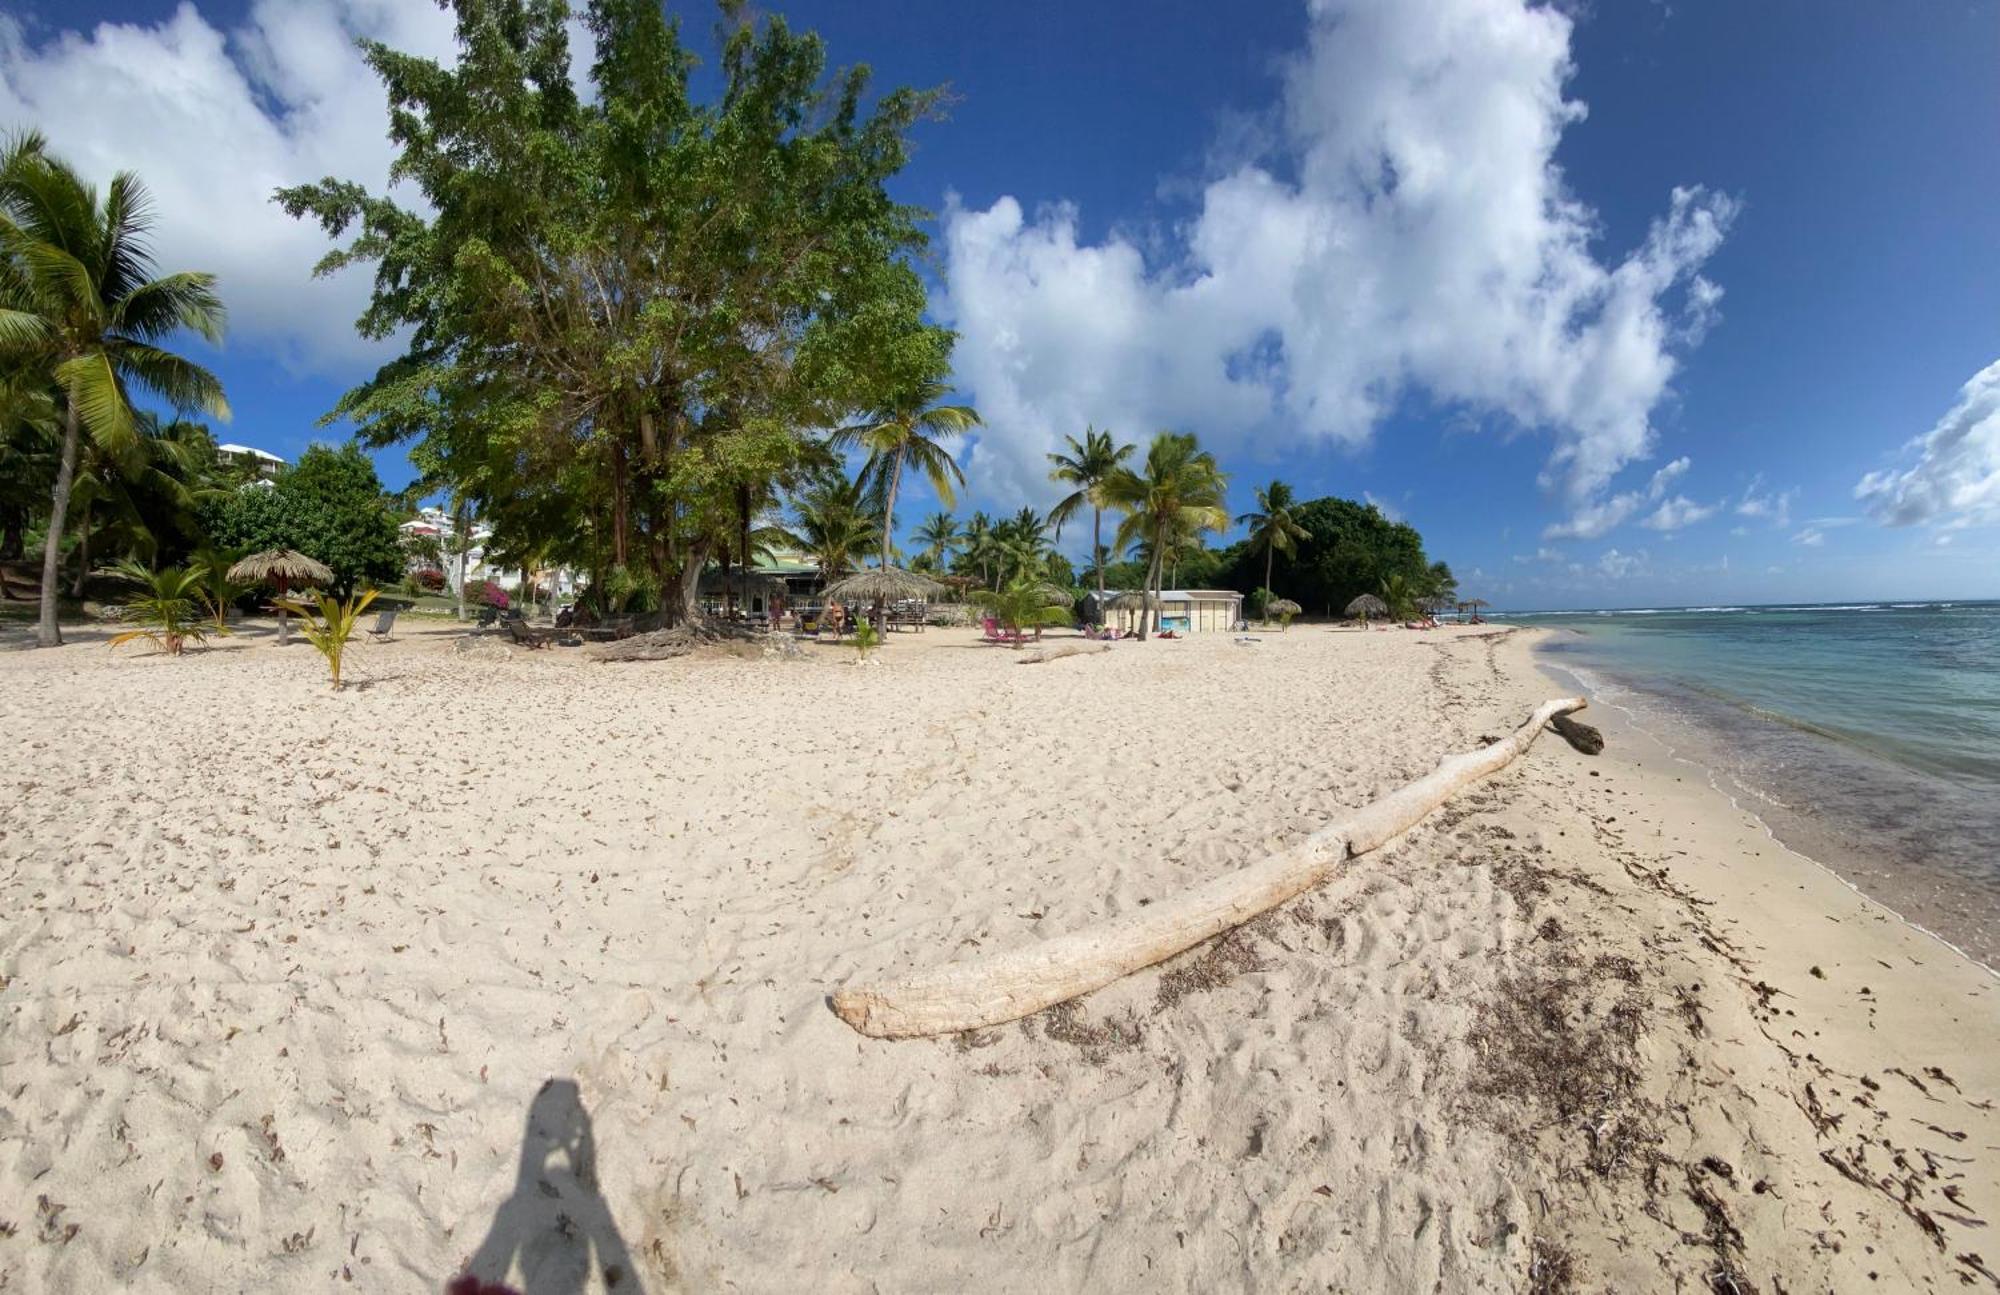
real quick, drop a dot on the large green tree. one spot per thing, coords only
(329, 506)
(630, 304)
(80, 308)
(1087, 465)
(1169, 500)
(1350, 549)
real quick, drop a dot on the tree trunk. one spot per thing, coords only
(689, 584)
(13, 541)
(621, 505)
(889, 506)
(743, 524)
(728, 589)
(82, 553)
(461, 535)
(47, 632)
(1007, 986)
(1146, 589)
(1265, 611)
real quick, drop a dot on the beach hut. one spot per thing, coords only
(1365, 606)
(284, 568)
(1184, 611)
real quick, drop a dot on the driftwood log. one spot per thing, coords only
(1058, 651)
(1579, 735)
(1010, 985)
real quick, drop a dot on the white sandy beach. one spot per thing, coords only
(282, 973)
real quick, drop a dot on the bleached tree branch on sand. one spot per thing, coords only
(1007, 986)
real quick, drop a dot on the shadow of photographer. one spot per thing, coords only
(555, 1231)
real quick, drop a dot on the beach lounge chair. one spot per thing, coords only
(383, 624)
(520, 632)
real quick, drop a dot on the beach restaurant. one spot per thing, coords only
(1184, 611)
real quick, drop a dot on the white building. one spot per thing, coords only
(261, 463)
(440, 523)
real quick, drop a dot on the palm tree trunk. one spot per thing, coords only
(47, 632)
(889, 505)
(82, 553)
(1266, 609)
(1097, 552)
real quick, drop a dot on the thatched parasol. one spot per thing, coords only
(883, 584)
(1283, 608)
(281, 567)
(1475, 604)
(1367, 605)
(1132, 602)
(1054, 594)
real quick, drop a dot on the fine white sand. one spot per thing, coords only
(521, 962)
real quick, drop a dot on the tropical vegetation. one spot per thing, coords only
(164, 610)
(1168, 502)
(84, 320)
(328, 624)
(1087, 464)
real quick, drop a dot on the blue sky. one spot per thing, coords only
(1430, 253)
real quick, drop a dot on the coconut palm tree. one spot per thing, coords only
(913, 432)
(835, 524)
(1022, 546)
(982, 545)
(79, 303)
(940, 538)
(1087, 464)
(1176, 495)
(1273, 528)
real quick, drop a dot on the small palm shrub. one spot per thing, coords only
(866, 638)
(330, 626)
(165, 610)
(215, 590)
(1024, 604)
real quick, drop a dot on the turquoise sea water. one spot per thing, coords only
(1866, 735)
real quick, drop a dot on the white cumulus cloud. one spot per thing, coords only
(1679, 512)
(1774, 506)
(1408, 231)
(213, 121)
(1956, 478)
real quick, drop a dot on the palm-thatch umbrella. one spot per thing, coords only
(1054, 594)
(1367, 605)
(1475, 604)
(880, 585)
(281, 567)
(1131, 601)
(1283, 608)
